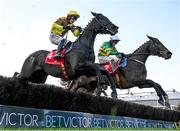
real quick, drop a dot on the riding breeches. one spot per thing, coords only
(56, 39)
(106, 59)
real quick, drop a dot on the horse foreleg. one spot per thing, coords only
(67, 84)
(81, 81)
(163, 97)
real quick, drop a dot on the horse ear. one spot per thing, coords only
(93, 13)
(149, 37)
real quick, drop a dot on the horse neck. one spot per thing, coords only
(89, 34)
(141, 53)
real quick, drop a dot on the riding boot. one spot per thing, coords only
(122, 71)
(113, 65)
(58, 52)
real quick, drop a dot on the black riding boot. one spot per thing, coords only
(113, 65)
(122, 71)
(58, 52)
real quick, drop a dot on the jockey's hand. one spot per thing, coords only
(67, 27)
(119, 56)
(78, 27)
(123, 55)
(129, 55)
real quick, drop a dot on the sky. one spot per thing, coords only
(25, 27)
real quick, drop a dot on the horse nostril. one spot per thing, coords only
(169, 53)
(115, 28)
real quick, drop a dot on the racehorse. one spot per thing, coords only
(80, 60)
(135, 72)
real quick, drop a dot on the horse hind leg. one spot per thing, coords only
(15, 75)
(111, 82)
(18, 76)
(27, 69)
(38, 76)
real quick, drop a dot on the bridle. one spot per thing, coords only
(104, 26)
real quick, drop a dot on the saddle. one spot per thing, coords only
(50, 56)
(119, 64)
(60, 62)
(118, 74)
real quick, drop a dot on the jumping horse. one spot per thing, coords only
(78, 61)
(135, 72)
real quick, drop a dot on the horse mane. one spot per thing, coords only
(140, 46)
(85, 28)
(88, 24)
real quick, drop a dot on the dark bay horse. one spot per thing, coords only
(79, 61)
(135, 71)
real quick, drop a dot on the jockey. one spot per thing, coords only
(108, 49)
(60, 27)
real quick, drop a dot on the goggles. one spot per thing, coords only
(73, 18)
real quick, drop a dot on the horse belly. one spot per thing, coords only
(53, 70)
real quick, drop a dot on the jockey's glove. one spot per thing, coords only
(129, 55)
(79, 28)
(119, 55)
(67, 27)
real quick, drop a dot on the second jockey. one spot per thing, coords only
(107, 50)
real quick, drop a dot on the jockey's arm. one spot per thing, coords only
(113, 51)
(76, 30)
(57, 27)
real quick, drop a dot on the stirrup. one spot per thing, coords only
(58, 56)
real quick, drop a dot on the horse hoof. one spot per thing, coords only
(16, 74)
(114, 95)
(168, 105)
(161, 102)
(97, 92)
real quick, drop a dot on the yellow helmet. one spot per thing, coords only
(73, 13)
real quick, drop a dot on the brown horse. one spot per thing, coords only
(135, 71)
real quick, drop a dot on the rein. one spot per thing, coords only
(104, 26)
(138, 61)
(142, 54)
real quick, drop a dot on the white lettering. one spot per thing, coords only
(35, 119)
(2, 119)
(72, 122)
(12, 124)
(20, 118)
(53, 121)
(26, 120)
(48, 121)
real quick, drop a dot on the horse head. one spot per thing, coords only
(157, 48)
(106, 26)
